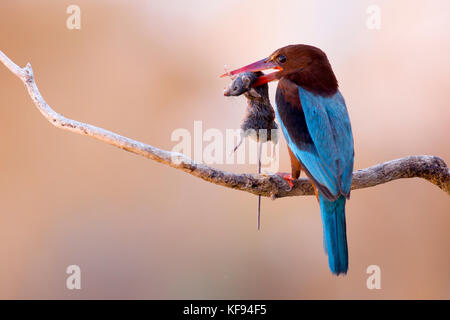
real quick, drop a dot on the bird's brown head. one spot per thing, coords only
(305, 65)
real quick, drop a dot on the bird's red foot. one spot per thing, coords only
(286, 177)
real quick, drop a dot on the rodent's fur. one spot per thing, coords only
(259, 114)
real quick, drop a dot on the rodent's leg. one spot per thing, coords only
(239, 143)
(274, 150)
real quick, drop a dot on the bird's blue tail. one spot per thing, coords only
(334, 234)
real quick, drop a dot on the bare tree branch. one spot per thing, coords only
(430, 168)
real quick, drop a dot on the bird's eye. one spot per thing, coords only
(281, 58)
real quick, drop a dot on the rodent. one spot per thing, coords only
(259, 114)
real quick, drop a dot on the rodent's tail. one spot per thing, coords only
(334, 233)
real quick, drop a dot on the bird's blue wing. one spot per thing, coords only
(329, 126)
(329, 158)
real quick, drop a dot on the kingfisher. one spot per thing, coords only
(314, 119)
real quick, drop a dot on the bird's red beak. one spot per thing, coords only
(260, 65)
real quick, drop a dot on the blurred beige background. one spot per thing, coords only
(139, 229)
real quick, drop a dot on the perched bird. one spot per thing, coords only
(314, 119)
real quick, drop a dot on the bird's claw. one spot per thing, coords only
(286, 177)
